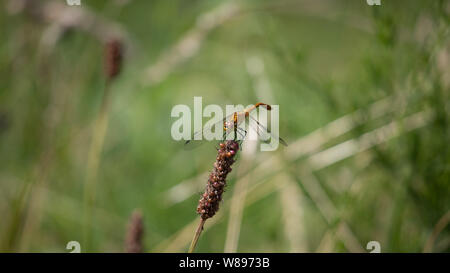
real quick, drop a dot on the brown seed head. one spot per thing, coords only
(113, 58)
(133, 240)
(209, 203)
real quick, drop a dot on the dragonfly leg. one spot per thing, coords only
(243, 130)
(242, 136)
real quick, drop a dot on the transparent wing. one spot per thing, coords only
(192, 143)
(264, 134)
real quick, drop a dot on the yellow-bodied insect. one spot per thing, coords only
(231, 124)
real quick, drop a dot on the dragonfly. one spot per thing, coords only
(230, 124)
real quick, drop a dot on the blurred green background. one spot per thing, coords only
(364, 105)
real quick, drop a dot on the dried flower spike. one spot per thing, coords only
(135, 231)
(208, 204)
(113, 58)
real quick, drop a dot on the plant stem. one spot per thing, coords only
(101, 125)
(197, 235)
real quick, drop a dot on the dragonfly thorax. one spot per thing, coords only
(228, 125)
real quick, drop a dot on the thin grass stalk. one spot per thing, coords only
(98, 138)
(438, 228)
(113, 63)
(237, 204)
(27, 208)
(197, 235)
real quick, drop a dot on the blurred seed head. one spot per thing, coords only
(135, 231)
(113, 58)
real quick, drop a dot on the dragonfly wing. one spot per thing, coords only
(194, 135)
(193, 143)
(263, 132)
